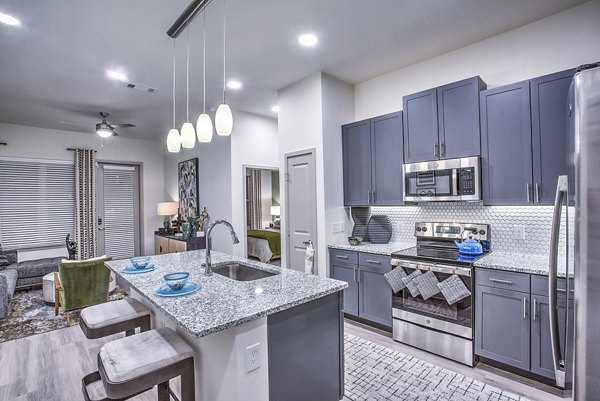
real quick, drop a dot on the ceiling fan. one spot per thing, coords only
(106, 130)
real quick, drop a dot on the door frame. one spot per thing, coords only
(138, 201)
(245, 168)
(286, 224)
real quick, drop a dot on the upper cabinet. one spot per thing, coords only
(443, 123)
(372, 152)
(525, 142)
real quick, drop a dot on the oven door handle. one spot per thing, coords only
(442, 269)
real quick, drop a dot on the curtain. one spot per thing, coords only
(86, 228)
(255, 200)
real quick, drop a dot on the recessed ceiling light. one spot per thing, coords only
(233, 84)
(9, 20)
(275, 109)
(119, 76)
(308, 39)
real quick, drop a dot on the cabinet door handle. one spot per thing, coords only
(369, 198)
(435, 150)
(563, 290)
(376, 262)
(443, 149)
(534, 308)
(537, 193)
(354, 273)
(357, 275)
(524, 307)
(373, 197)
(528, 193)
(497, 280)
(160, 249)
(341, 257)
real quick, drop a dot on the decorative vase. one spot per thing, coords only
(186, 230)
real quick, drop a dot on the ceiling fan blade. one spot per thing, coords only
(115, 133)
(122, 125)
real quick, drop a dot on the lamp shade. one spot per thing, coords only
(167, 208)
(173, 141)
(224, 120)
(188, 136)
(275, 210)
(204, 128)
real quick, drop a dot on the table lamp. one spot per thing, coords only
(167, 209)
(276, 212)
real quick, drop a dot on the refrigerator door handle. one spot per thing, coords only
(557, 357)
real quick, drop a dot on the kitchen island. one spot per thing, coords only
(295, 318)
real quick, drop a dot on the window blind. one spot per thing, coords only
(37, 203)
(119, 223)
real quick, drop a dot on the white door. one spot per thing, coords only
(118, 210)
(301, 207)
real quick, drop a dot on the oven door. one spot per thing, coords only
(436, 313)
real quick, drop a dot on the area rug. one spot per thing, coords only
(31, 315)
(374, 372)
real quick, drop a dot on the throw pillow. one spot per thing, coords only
(3, 259)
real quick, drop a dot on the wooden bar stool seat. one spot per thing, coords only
(132, 365)
(114, 317)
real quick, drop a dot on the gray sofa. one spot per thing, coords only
(24, 274)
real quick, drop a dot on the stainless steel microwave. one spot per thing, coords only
(443, 180)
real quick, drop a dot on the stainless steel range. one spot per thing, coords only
(441, 323)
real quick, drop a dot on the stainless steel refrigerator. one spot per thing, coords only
(578, 368)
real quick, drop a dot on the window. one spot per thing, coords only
(37, 202)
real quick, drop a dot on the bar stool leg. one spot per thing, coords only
(188, 381)
(162, 391)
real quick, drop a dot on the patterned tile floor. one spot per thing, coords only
(374, 373)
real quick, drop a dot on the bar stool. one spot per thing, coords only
(114, 317)
(132, 365)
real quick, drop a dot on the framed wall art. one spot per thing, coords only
(188, 187)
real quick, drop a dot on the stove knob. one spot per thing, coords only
(481, 232)
(474, 231)
(418, 228)
(424, 229)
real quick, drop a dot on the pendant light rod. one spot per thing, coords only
(187, 77)
(174, 54)
(224, 17)
(204, 63)
(190, 12)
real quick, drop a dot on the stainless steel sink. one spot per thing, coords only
(241, 272)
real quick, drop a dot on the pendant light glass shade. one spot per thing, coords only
(173, 141)
(224, 120)
(204, 128)
(188, 136)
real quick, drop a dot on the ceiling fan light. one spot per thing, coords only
(104, 132)
(224, 120)
(188, 136)
(204, 128)
(173, 141)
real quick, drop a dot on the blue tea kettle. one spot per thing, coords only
(469, 247)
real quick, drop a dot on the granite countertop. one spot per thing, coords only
(379, 249)
(222, 303)
(522, 263)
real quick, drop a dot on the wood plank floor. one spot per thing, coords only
(49, 366)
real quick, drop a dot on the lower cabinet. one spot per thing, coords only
(170, 244)
(368, 295)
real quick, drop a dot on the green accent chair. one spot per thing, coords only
(80, 283)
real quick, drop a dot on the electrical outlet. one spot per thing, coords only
(518, 232)
(342, 227)
(252, 357)
(334, 228)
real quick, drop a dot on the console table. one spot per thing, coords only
(166, 243)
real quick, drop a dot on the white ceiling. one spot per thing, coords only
(52, 67)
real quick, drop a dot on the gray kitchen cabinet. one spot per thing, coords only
(549, 129)
(443, 122)
(368, 295)
(372, 152)
(502, 327)
(458, 118)
(420, 126)
(375, 294)
(356, 142)
(506, 145)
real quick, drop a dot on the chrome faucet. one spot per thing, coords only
(234, 239)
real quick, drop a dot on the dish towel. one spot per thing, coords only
(409, 282)
(394, 279)
(309, 258)
(427, 284)
(454, 289)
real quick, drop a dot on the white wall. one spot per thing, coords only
(214, 174)
(555, 43)
(40, 143)
(254, 143)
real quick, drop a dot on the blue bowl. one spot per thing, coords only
(176, 281)
(140, 262)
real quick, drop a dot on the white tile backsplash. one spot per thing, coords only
(518, 229)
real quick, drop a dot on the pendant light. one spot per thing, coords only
(188, 135)
(204, 127)
(224, 117)
(173, 138)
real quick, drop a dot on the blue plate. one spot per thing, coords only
(135, 270)
(188, 288)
